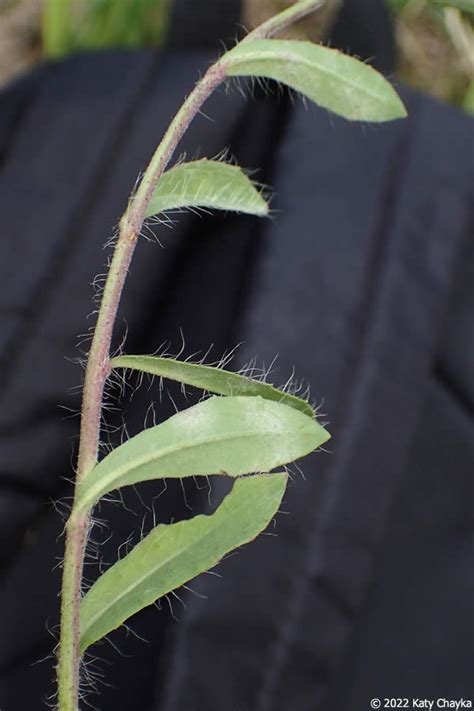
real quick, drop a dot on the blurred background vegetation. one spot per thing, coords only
(435, 38)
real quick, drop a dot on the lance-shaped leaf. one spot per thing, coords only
(209, 184)
(171, 555)
(331, 79)
(211, 379)
(222, 435)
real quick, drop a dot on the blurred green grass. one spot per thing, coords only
(72, 25)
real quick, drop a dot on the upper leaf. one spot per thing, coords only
(173, 554)
(206, 377)
(331, 79)
(222, 435)
(208, 184)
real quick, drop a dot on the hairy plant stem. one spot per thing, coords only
(289, 16)
(96, 375)
(97, 371)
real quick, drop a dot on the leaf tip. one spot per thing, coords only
(395, 108)
(262, 207)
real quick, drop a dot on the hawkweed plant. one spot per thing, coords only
(246, 427)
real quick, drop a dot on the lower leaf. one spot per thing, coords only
(171, 555)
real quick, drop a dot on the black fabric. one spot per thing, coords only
(364, 29)
(204, 25)
(360, 283)
(366, 301)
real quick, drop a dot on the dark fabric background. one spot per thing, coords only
(361, 283)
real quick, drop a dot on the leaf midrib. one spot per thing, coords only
(188, 445)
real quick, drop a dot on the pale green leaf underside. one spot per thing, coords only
(208, 184)
(331, 79)
(213, 380)
(171, 555)
(222, 435)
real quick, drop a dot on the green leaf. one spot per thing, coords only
(222, 435)
(211, 379)
(463, 5)
(331, 79)
(171, 555)
(208, 184)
